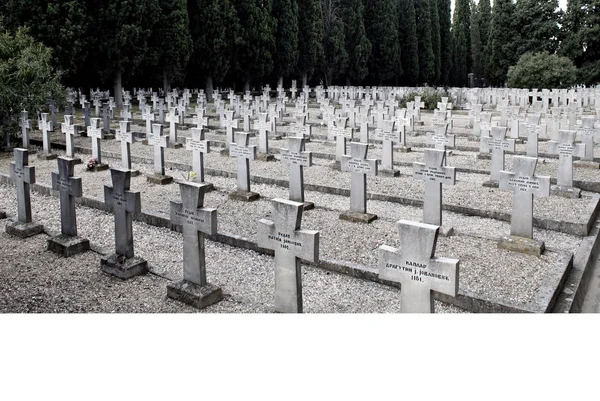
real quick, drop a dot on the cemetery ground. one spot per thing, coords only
(345, 279)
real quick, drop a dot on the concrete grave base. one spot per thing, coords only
(389, 173)
(278, 137)
(31, 151)
(244, 196)
(446, 231)
(405, 149)
(134, 173)
(47, 156)
(159, 179)
(76, 160)
(67, 246)
(484, 156)
(586, 164)
(336, 165)
(356, 217)
(308, 206)
(263, 157)
(421, 123)
(175, 145)
(123, 268)
(565, 192)
(98, 167)
(24, 230)
(224, 152)
(490, 184)
(528, 246)
(2, 214)
(192, 294)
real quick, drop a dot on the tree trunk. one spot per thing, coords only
(304, 79)
(246, 86)
(118, 89)
(280, 82)
(166, 83)
(209, 88)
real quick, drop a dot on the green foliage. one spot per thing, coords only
(310, 43)
(426, 55)
(334, 45)
(485, 19)
(286, 36)
(501, 44)
(461, 40)
(444, 14)
(358, 47)
(429, 96)
(27, 77)
(435, 40)
(476, 43)
(542, 71)
(382, 30)
(537, 23)
(407, 32)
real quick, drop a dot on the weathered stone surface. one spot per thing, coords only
(528, 246)
(565, 192)
(123, 268)
(24, 230)
(244, 196)
(586, 164)
(159, 179)
(67, 246)
(97, 168)
(389, 173)
(193, 294)
(357, 217)
(265, 157)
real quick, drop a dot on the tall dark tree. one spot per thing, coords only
(310, 42)
(407, 32)
(435, 40)
(255, 41)
(213, 27)
(334, 46)
(286, 38)
(358, 46)
(461, 40)
(573, 22)
(170, 45)
(501, 43)
(382, 30)
(476, 45)
(426, 54)
(444, 14)
(538, 24)
(485, 19)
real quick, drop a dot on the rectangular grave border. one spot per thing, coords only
(542, 302)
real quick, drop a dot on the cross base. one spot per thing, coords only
(224, 152)
(419, 123)
(405, 149)
(2, 214)
(123, 268)
(264, 157)
(159, 179)
(357, 217)
(279, 136)
(192, 294)
(47, 156)
(68, 246)
(110, 135)
(134, 173)
(98, 167)
(484, 156)
(565, 192)
(24, 230)
(444, 230)
(336, 165)
(524, 245)
(586, 164)
(388, 172)
(308, 205)
(244, 196)
(490, 184)
(175, 145)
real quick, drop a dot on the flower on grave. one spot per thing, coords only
(192, 176)
(92, 163)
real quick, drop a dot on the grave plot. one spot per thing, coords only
(44, 282)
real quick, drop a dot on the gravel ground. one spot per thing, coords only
(77, 284)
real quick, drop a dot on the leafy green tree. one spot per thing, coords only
(407, 33)
(310, 43)
(334, 46)
(27, 77)
(485, 19)
(358, 47)
(542, 70)
(212, 26)
(435, 40)
(426, 54)
(444, 14)
(538, 25)
(501, 43)
(286, 38)
(476, 43)
(461, 39)
(382, 30)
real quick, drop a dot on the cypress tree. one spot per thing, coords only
(500, 43)
(461, 39)
(538, 25)
(286, 38)
(444, 14)
(476, 45)
(334, 46)
(426, 55)
(310, 42)
(573, 22)
(485, 18)
(358, 46)
(435, 39)
(382, 30)
(407, 32)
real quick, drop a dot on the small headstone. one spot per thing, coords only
(290, 243)
(124, 204)
(197, 221)
(160, 142)
(497, 144)
(173, 120)
(199, 146)
(358, 164)
(44, 126)
(229, 124)
(533, 129)
(25, 125)
(68, 128)
(262, 126)
(23, 176)
(148, 116)
(67, 243)
(416, 267)
(388, 136)
(242, 150)
(341, 132)
(297, 158)
(566, 148)
(95, 132)
(587, 133)
(125, 136)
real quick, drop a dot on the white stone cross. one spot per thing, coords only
(533, 130)
(416, 267)
(566, 148)
(68, 128)
(262, 126)
(587, 132)
(524, 184)
(297, 158)
(388, 136)
(300, 128)
(341, 133)
(229, 124)
(25, 125)
(148, 115)
(358, 164)
(439, 138)
(44, 126)
(173, 120)
(497, 144)
(290, 243)
(199, 146)
(125, 136)
(160, 142)
(23, 175)
(242, 150)
(95, 132)
(69, 188)
(434, 173)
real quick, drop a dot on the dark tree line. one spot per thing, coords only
(243, 43)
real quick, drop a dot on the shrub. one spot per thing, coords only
(542, 71)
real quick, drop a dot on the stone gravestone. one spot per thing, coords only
(360, 167)
(44, 126)
(123, 203)
(566, 148)
(230, 123)
(105, 119)
(290, 244)
(388, 136)
(300, 128)
(160, 142)
(587, 133)
(341, 133)
(242, 150)
(199, 146)
(196, 221)
(524, 184)
(25, 125)
(67, 243)
(434, 173)
(95, 132)
(262, 126)
(68, 128)
(23, 176)
(439, 138)
(148, 116)
(87, 113)
(416, 267)
(533, 129)
(173, 120)
(497, 144)
(297, 158)
(125, 136)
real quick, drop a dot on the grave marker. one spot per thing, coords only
(25, 125)
(297, 158)
(360, 167)
(44, 126)
(95, 132)
(160, 142)
(242, 150)
(262, 126)
(587, 132)
(388, 136)
(199, 146)
(125, 136)
(497, 144)
(68, 128)
(566, 148)
(440, 138)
